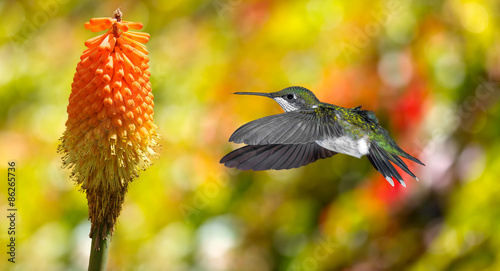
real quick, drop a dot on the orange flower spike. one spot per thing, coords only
(110, 134)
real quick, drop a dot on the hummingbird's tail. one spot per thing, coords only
(380, 159)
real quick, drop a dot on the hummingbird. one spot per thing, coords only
(309, 130)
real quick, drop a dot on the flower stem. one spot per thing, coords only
(99, 250)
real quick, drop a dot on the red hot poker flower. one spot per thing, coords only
(110, 134)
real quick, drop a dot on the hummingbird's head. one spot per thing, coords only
(290, 98)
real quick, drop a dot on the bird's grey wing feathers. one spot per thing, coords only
(275, 156)
(297, 127)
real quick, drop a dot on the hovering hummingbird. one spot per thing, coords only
(310, 130)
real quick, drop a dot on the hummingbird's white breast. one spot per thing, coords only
(346, 145)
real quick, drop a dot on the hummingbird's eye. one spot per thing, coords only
(289, 96)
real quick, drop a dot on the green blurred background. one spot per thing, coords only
(427, 68)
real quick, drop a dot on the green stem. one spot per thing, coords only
(99, 251)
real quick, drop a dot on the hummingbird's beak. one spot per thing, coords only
(254, 93)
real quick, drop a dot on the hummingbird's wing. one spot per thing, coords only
(297, 127)
(275, 156)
